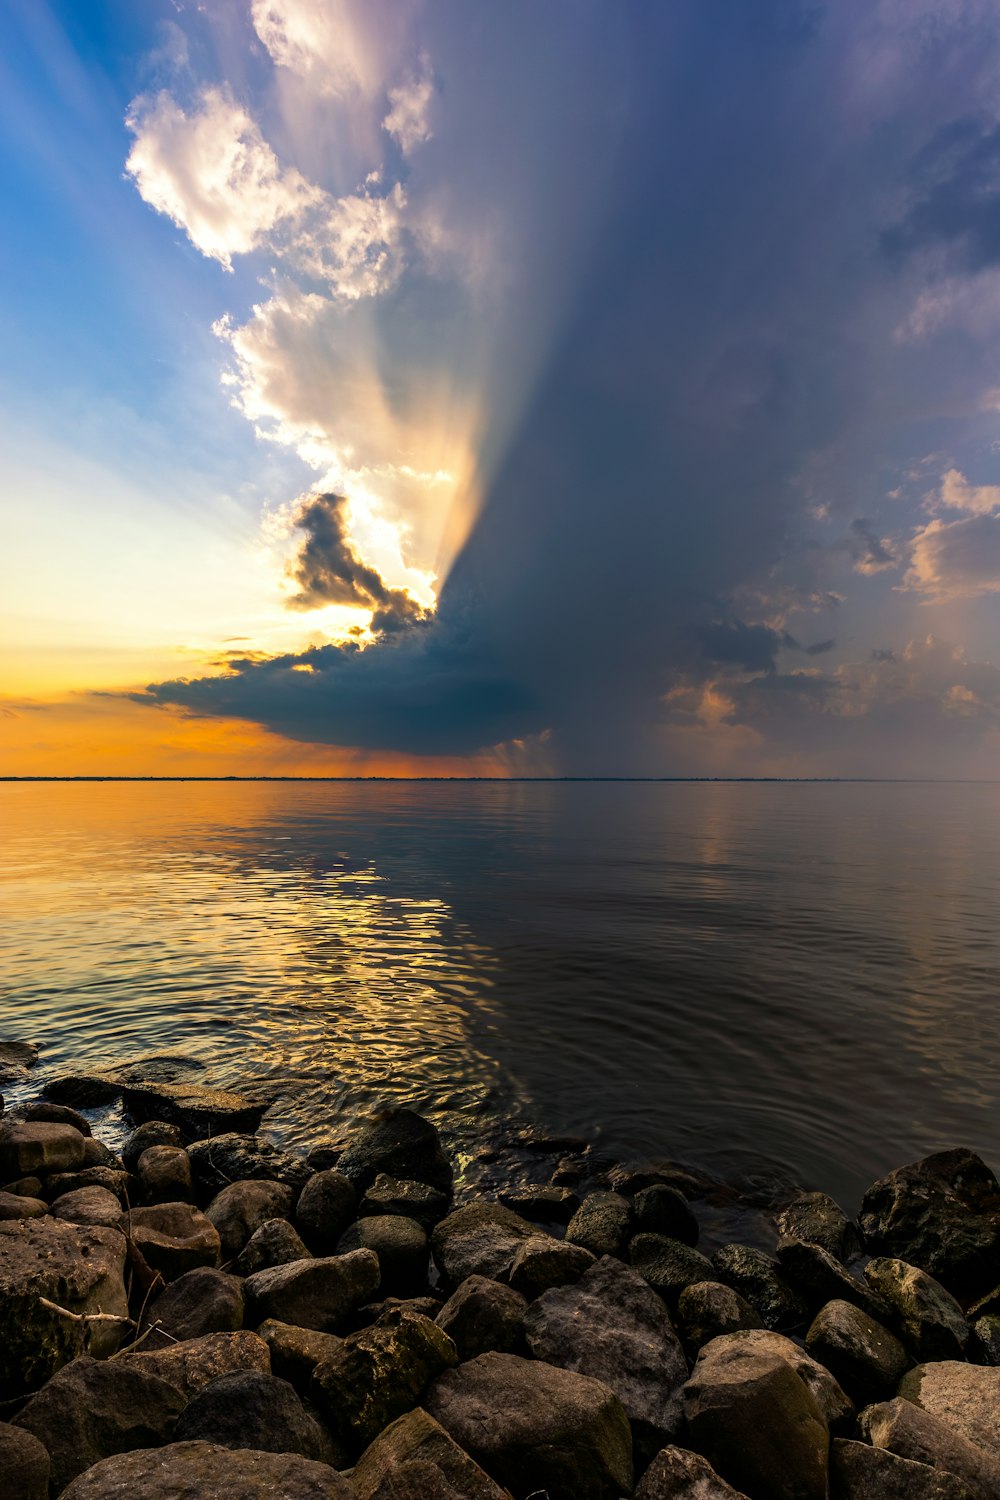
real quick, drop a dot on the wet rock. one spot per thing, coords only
(481, 1239)
(152, 1133)
(668, 1265)
(196, 1110)
(243, 1207)
(96, 1154)
(819, 1220)
(398, 1143)
(942, 1214)
(199, 1302)
(708, 1309)
(92, 1408)
(42, 1111)
(195, 1362)
(274, 1244)
(89, 1205)
(415, 1459)
(24, 1464)
(210, 1473)
(612, 1326)
(602, 1224)
(541, 1204)
(249, 1409)
(866, 1360)
(323, 1155)
(113, 1181)
(835, 1406)
(863, 1473)
(401, 1246)
(819, 1278)
(174, 1237)
(483, 1315)
(533, 1426)
(16, 1058)
(318, 1294)
(910, 1432)
(659, 1209)
(677, 1474)
(544, 1262)
(14, 1206)
(229, 1158)
(757, 1422)
(758, 1278)
(78, 1269)
(985, 1340)
(326, 1208)
(38, 1147)
(164, 1174)
(926, 1315)
(966, 1397)
(413, 1200)
(295, 1352)
(379, 1374)
(81, 1090)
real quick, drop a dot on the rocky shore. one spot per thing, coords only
(205, 1315)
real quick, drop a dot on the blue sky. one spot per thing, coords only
(647, 355)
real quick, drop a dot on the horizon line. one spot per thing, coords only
(647, 780)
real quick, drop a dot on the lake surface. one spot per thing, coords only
(781, 980)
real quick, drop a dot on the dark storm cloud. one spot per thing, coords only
(328, 570)
(957, 195)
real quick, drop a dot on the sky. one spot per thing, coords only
(421, 387)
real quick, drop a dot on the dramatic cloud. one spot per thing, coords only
(871, 553)
(328, 570)
(957, 559)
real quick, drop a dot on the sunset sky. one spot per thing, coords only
(428, 386)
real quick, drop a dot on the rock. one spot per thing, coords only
(835, 1407)
(819, 1278)
(164, 1174)
(243, 1207)
(295, 1352)
(25, 1187)
(13, 1206)
(43, 1112)
(659, 1209)
(415, 1459)
(118, 1183)
(96, 1154)
(942, 1214)
(602, 1224)
(863, 1473)
(326, 1207)
(201, 1301)
(757, 1277)
(396, 1195)
(482, 1315)
(273, 1244)
(985, 1340)
(966, 1397)
(926, 1315)
(39, 1147)
(910, 1432)
(668, 1265)
(82, 1090)
(541, 1204)
(80, 1270)
(249, 1409)
(92, 1408)
(195, 1362)
(379, 1374)
(535, 1427)
(756, 1422)
(819, 1220)
(229, 1158)
(152, 1133)
(24, 1464)
(481, 1239)
(318, 1294)
(89, 1205)
(398, 1143)
(401, 1246)
(197, 1111)
(16, 1058)
(707, 1309)
(174, 1238)
(323, 1155)
(864, 1358)
(182, 1471)
(676, 1474)
(544, 1262)
(612, 1326)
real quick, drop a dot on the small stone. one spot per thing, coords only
(250, 1409)
(199, 1302)
(113, 1181)
(243, 1207)
(543, 1262)
(224, 1159)
(677, 1474)
(927, 1316)
(398, 1143)
(24, 1464)
(865, 1359)
(273, 1244)
(14, 1206)
(481, 1239)
(152, 1133)
(210, 1473)
(174, 1237)
(708, 1309)
(864, 1473)
(40, 1147)
(668, 1265)
(758, 1278)
(818, 1219)
(659, 1209)
(413, 1200)
(195, 1362)
(89, 1205)
(164, 1174)
(319, 1294)
(401, 1246)
(542, 1205)
(910, 1432)
(483, 1315)
(966, 1397)
(326, 1206)
(415, 1459)
(295, 1352)
(601, 1224)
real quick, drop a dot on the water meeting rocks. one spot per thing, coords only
(815, 1217)
(210, 1473)
(232, 1157)
(197, 1111)
(399, 1143)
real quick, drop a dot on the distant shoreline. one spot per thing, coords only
(638, 780)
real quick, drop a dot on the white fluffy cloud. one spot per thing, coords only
(957, 493)
(410, 102)
(212, 173)
(956, 559)
(355, 245)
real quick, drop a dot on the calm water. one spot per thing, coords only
(795, 979)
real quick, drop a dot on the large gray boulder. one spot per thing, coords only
(942, 1214)
(398, 1143)
(240, 1209)
(319, 1294)
(481, 1239)
(39, 1146)
(863, 1473)
(966, 1397)
(80, 1270)
(866, 1360)
(415, 1459)
(927, 1317)
(834, 1404)
(678, 1474)
(612, 1326)
(910, 1432)
(251, 1409)
(534, 1427)
(183, 1471)
(483, 1315)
